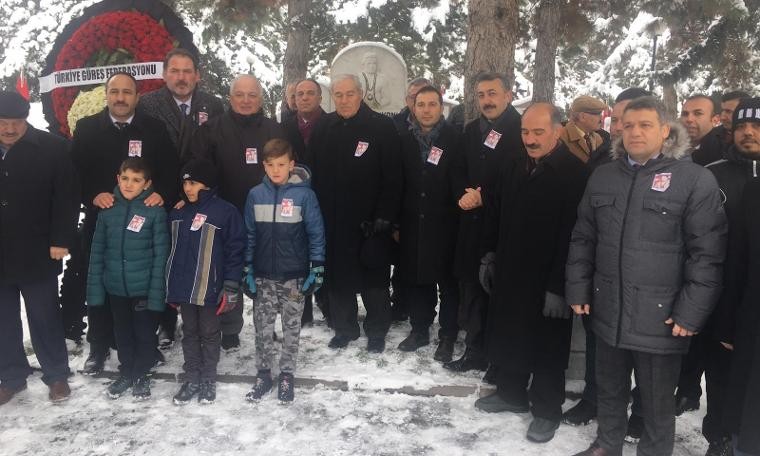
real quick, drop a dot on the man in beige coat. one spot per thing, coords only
(579, 135)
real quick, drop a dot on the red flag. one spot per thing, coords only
(21, 86)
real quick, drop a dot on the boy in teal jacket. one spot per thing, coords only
(127, 263)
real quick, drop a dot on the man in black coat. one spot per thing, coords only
(716, 340)
(357, 178)
(529, 218)
(489, 141)
(233, 142)
(434, 180)
(38, 207)
(699, 115)
(101, 143)
(182, 107)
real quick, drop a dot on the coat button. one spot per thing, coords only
(422, 194)
(659, 305)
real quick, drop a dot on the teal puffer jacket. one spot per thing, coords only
(129, 252)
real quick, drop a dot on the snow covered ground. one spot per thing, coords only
(362, 419)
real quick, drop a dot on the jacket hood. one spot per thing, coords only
(299, 177)
(676, 146)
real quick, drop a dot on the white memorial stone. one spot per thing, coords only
(381, 71)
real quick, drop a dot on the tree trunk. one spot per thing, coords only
(547, 25)
(296, 58)
(491, 38)
(670, 99)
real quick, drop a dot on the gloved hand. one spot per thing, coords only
(314, 281)
(229, 297)
(249, 282)
(487, 272)
(381, 226)
(555, 306)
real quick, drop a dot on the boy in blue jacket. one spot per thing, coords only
(284, 261)
(203, 275)
(127, 262)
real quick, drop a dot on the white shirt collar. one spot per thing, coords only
(128, 121)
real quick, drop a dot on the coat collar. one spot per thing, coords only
(675, 147)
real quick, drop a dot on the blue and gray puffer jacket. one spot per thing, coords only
(285, 228)
(208, 240)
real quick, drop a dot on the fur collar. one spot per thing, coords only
(676, 146)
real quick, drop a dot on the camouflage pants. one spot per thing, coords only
(273, 297)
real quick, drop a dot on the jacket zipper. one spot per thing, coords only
(754, 168)
(123, 240)
(274, 228)
(620, 254)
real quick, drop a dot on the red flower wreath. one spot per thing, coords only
(108, 39)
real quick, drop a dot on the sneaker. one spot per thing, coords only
(686, 404)
(230, 342)
(141, 388)
(340, 341)
(376, 345)
(445, 350)
(7, 393)
(414, 341)
(59, 391)
(467, 362)
(721, 447)
(119, 387)
(541, 430)
(493, 403)
(95, 361)
(580, 414)
(186, 393)
(285, 388)
(207, 394)
(262, 386)
(635, 429)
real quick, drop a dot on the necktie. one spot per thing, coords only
(121, 125)
(183, 107)
(587, 137)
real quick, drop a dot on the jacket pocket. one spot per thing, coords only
(651, 310)
(604, 211)
(661, 220)
(603, 302)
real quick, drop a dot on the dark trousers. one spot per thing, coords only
(692, 368)
(473, 309)
(717, 374)
(44, 317)
(589, 391)
(201, 341)
(657, 376)
(546, 393)
(422, 300)
(74, 282)
(344, 308)
(232, 322)
(168, 321)
(399, 305)
(135, 330)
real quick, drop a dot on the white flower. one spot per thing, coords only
(86, 104)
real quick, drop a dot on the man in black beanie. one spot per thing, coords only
(37, 223)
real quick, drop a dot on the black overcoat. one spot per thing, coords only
(224, 141)
(743, 393)
(39, 205)
(354, 187)
(529, 220)
(429, 210)
(483, 166)
(98, 149)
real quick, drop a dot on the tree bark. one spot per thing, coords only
(296, 60)
(491, 38)
(670, 99)
(547, 26)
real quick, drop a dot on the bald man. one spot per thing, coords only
(529, 218)
(234, 142)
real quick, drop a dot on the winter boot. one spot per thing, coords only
(141, 388)
(468, 361)
(445, 349)
(95, 361)
(262, 386)
(6, 393)
(186, 393)
(285, 388)
(581, 414)
(119, 387)
(230, 342)
(207, 395)
(542, 430)
(414, 341)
